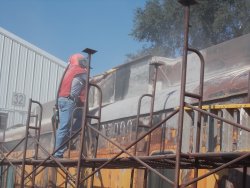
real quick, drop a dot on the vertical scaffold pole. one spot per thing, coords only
(84, 117)
(156, 68)
(25, 144)
(182, 96)
(152, 96)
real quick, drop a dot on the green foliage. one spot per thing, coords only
(160, 24)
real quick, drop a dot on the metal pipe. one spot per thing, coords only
(188, 159)
(198, 132)
(38, 134)
(84, 118)
(25, 144)
(182, 97)
(98, 124)
(138, 117)
(136, 133)
(156, 65)
(216, 154)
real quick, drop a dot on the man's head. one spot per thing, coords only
(78, 59)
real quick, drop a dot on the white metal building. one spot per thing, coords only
(25, 72)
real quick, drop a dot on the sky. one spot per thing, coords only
(65, 27)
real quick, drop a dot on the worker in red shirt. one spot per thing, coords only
(71, 94)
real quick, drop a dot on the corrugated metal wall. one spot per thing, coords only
(25, 72)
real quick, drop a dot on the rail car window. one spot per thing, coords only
(121, 83)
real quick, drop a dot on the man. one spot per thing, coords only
(71, 94)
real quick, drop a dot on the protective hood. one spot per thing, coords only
(76, 59)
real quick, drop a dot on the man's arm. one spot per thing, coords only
(78, 84)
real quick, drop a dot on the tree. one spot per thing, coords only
(160, 24)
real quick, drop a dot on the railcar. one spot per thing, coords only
(124, 118)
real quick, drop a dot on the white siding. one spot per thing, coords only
(13, 70)
(5, 71)
(45, 80)
(37, 77)
(1, 50)
(28, 81)
(28, 70)
(22, 70)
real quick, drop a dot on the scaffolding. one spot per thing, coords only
(196, 160)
